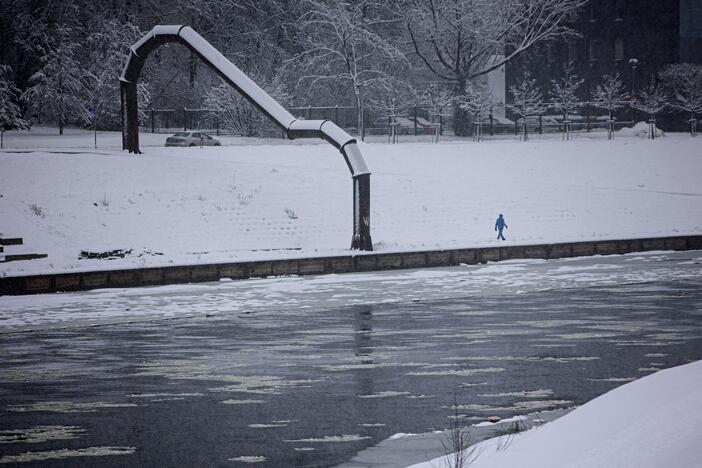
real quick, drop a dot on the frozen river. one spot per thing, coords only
(311, 382)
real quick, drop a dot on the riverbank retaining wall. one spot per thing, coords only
(352, 262)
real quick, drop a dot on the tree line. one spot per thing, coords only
(60, 60)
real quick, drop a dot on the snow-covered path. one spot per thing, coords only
(191, 205)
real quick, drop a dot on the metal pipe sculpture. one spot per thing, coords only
(293, 128)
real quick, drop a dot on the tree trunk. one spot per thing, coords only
(461, 117)
(192, 73)
(461, 121)
(359, 120)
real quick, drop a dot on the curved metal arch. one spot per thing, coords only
(293, 128)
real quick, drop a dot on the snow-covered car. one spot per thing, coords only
(192, 139)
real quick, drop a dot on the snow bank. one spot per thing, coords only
(641, 130)
(649, 423)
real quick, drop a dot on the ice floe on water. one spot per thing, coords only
(332, 439)
(614, 379)
(244, 402)
(39, 434)
(473, 384)
(553, 345)
(386, 394)
(458, 372)
(165, 395)
(67, 406)
(370, 365)
(66, 453)
(540, 393)
(248, 459)
(642, 343)
(531, 358)
(518, 406)
(259, 384)
(401, 435)
(566, 359)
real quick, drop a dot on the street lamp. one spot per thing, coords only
(634, 64)
(632, 97)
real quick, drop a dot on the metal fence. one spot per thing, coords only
(411, 120)
(407, 121)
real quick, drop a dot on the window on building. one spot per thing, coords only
(572, 50)
(550, 53)
(619, 9)
(595, 11)
(619, 49)
(595, 49)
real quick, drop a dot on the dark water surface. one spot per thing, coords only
(311, 387)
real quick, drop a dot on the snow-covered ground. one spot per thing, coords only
(268, 199)
(649, 423)
(260, 200)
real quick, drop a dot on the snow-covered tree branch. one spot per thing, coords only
(235, 113)
(652, 100)
(56, 90)
(684, 80)
(10, 114)
(343, 41)
(459, 40)
(527, 101)
(610, 95)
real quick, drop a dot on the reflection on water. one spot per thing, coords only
(313, 387)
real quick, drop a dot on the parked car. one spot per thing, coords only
(192, 139)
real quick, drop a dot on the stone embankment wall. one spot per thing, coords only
(353, 262)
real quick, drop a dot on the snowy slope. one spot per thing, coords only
(649, 423)
(193, 205)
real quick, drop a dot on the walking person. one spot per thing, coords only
(499, 226)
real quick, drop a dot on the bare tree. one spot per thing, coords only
(478, 101)
(527, 101)
(563, 97)
(438, 99)
(652, 100)
(684, 80)
(236, 113)
(610, 95)
(391, 99)
(459, 40)
(344, 41)
(108, 49)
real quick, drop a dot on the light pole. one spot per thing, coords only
(632, 96)
(634, 64)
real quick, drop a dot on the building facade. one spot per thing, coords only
(632, 38)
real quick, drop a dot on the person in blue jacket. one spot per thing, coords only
(499, 226)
